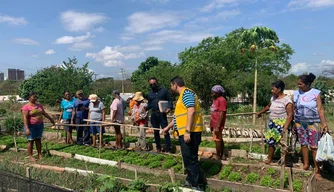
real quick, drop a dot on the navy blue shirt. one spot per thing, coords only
(155, 97)
(78, 104)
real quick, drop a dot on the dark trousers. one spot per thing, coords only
(190, 158)
(83, 133)
(160, 119)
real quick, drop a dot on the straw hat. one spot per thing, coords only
(93, 97)
(138, 96)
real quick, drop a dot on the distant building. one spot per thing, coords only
(15, 75)
(2, 76)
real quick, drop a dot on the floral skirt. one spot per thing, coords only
(274, 131)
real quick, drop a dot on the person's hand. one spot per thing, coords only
(167, 110)
(72, 121)
(165, 130)
(258, 114)
(53, 122)
(27, 132)
(325, 129)
(216, 131)
(186, 137)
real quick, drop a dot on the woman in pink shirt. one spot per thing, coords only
(217, 119)
(33, 124)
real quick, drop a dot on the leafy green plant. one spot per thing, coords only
(252, 178)
(2, 112)
(170, 187)
(234, 176)
(154, 164)
(226, 172)
(109, 184)
(277, 182)
(266, 181)
(297, 185)
(271, 171)
(137, 185)
(169, 163)
(13, 123)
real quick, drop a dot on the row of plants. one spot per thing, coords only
(266, 177)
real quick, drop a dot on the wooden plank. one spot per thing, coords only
(290, 179)
(61, 154)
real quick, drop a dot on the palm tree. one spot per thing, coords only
(255, 39)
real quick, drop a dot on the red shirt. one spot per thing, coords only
(217, 107)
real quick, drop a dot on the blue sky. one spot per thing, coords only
(114, 34)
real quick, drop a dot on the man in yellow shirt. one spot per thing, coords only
(188, 126)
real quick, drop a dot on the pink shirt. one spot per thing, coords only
(217, 107)
(118, 107)
(35, 115)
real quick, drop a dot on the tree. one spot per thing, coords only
(163, 71)
(254, 39)
(143, 67)
(103, 86)
(50, 83)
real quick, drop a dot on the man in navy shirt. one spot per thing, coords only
(79, 114)
(159, 119)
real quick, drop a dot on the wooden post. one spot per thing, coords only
(124, 134)
(262, 132)
(282, 176)
(119, 164)
(14, 135)
(136, 174)
(57, 127)
(290, 179)
(172, 175)
(101, 135)
(28, 174)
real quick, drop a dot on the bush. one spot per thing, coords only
(13, 123)
(234, 176)
(226, 172)
(266, 181)
(252, 178)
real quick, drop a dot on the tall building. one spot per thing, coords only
(2, 76)
(15, 74)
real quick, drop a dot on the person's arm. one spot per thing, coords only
(25, 121)
(169, 126)
(190, 118)
(321, 112)
(221, 120)
(188, 100)
(88, 117)
(265, 109)
(289, 118)
(48, 116)
(149, 102)
(73, 113)
(103, 114)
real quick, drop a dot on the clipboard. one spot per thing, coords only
(163, 105)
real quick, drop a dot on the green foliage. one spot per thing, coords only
(170, 187)
(271, 171)
(252, 178)
(266, 181)
(297, 185)
(137, 185)
(109, 184)
(13, 122)
(169, 163)
(225, 172)
(3, 112)
(50, 83)
(327, 93)
(154, 164)
(234, 176)
(10, 87)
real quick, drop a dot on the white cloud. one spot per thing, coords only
(99, 29)
(175, 36)
(318, 68)
(49, 52)
(141, 22)
(153, 48)
(319, 54)
(79, 46)
(222, 15)
(26, 41)
(81, 21)
(302, 4)
(13, 20)
(217, 4)
(114, 56)
(72, 39)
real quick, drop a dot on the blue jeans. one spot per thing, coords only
(95, 128)
(83, 134)
(160, 119)
(36, 131)
(190, 158)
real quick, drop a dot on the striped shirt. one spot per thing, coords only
(188, 100)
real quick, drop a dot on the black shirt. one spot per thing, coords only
(155, 97)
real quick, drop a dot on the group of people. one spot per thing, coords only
(303, 115)
(305, 112)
